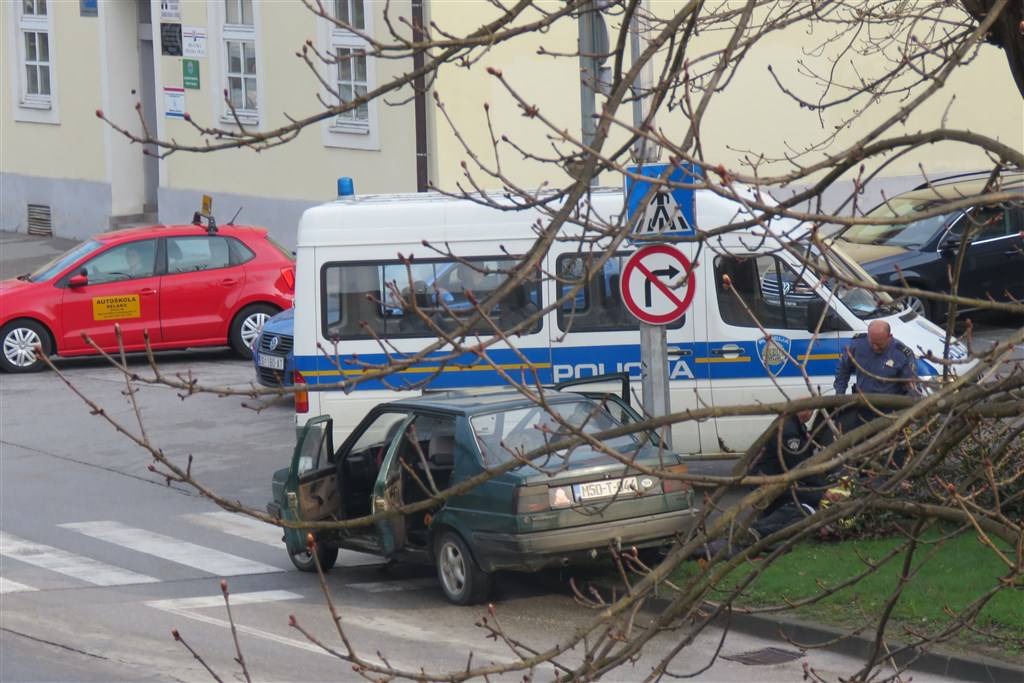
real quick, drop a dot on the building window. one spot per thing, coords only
(351, 12)
(352, 84)
(240, 75)
(36, 61)
(351, 75)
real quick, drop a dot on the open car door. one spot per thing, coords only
(387, 492)
(311, 490)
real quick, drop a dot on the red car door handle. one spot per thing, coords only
(147, 291)
(228, 281)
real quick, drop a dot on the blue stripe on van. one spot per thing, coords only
(563, 362)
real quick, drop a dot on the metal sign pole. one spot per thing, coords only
(654, 374)
(653, 341)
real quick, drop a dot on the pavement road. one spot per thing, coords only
(100, 559)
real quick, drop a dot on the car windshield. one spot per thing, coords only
(58, 264)
(837, 270)
(913, 235)
(503, 434)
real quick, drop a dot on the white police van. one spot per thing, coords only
(349, 320)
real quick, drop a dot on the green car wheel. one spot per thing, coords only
(304, 562)
(462, 580)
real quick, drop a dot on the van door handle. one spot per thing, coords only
(727, 351)
(229, 281)
(1013, 252)
(674, 351)
(147, 291)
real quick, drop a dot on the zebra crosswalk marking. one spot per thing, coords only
(394, 586)
(239, 525)
(192, 555)
(8, 586)
(63, 562)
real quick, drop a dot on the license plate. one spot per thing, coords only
(272, 362)
(606, 489)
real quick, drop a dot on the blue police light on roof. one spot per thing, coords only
(345, 187)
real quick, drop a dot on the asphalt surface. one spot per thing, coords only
(100, 559)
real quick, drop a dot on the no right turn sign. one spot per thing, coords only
(657, 285)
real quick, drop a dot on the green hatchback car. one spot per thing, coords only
(566, 506)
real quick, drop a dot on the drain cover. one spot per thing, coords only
(764, 656)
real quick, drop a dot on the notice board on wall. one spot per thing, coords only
(170, 39)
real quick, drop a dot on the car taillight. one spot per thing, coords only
(288, 275)
(673, 485)
(531, 499)
(301, 395)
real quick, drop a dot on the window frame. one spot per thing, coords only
(967, 216)
(323, 324)
(779, 265)
(35, 107)
(349, 133)
(232, 256)
(237, 33)
(157, 270)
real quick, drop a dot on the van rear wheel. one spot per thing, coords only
(304, 561)
(462, 580)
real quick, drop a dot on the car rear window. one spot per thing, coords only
(281, 248)
(503, 434)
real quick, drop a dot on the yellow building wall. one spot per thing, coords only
(751, 114)
(73, 148)
(304, 168)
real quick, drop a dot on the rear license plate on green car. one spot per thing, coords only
(606, 489)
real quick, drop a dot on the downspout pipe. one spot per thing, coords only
(420, 99)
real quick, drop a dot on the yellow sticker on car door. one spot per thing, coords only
(120, 307)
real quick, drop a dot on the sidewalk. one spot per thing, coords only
(791, 633)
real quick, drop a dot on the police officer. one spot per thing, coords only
(789, 444)
(882, 364)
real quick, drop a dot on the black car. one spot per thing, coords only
(922, 252)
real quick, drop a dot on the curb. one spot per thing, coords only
(797, 633)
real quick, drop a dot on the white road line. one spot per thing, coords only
(205, 601)
(183, 607)
(60, 561)
(8, 586)
(199, 557)
(393, 586)
(239, 525)
(268, 534)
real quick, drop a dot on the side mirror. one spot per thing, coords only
(949, 245)
(815, 310)
(79, 280)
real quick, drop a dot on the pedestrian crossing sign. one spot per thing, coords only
(667, 212)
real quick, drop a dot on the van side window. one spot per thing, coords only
(775, 296)
(365, 299)
(597, 306)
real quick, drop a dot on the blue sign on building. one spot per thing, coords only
(668, 212)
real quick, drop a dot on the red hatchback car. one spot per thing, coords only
(186, 285)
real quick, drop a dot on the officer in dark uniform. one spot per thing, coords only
(789, 444)
(883, 365)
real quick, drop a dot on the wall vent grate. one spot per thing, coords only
(40, 220)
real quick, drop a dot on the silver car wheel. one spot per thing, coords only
(252, 326)
(19, 346)
(915, 304)
(453, 569)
